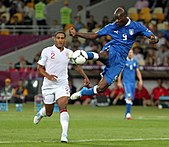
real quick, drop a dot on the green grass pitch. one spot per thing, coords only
(89, 127)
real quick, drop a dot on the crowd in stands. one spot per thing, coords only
(145, 54)
(23, 65)
(10, 94)
(115, 96)
(152, 13)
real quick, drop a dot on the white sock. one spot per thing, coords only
(95, 89)
(96, 55)
(64, 121)
(42, 111)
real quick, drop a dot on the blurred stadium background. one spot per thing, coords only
(23, 38)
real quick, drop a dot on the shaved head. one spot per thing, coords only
(120, 11)
(120, 16)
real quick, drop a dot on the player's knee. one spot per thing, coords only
(48, 114)
(63, 110)
(129, 101)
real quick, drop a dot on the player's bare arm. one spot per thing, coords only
(153, 39)
(139, 76)
(82, 73)
(90, 35)
(42, 71)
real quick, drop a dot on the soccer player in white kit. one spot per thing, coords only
(53, 65)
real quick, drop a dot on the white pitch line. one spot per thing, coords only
(90, 140)
(125, 139)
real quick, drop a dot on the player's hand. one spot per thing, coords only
(86, 82)
(154, 39)
(52, 77)
(72, 32)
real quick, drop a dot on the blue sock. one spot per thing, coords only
(88, 92)
(38, 107)
(90, 55)
(128, 108)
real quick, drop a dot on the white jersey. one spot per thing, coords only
(56, 63)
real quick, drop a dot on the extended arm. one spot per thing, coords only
(82, 73)
(42, 71)
(90, 35)
(139, 76)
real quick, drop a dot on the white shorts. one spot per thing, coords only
(50, 96)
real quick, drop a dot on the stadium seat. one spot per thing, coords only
(166, 23)
(158, 14)
(7, 15)
(132, 13)
(4, 32)
(145, 14)
(20, 16)
(161, 26)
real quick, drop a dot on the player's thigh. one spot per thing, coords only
(112, 71)
(62, 102)
(103, 57)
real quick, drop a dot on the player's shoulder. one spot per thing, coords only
(135, 61)
(136, 23)
(47, 49)
(68, 49)
(112, 24)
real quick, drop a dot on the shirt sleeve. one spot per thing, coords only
(144, 30)
(43, 58)
(71, 59)
(105, 30)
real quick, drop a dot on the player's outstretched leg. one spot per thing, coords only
(82, 92)
(39, 115)
(90, 55)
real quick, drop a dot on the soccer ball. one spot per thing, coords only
(79, 57)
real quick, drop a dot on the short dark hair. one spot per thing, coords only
(59, 32)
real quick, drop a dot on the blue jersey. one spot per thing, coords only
(129, 72)
(129, 77)
(123, 37)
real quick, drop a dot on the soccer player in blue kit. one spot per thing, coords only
(124, 32)
(128, 76)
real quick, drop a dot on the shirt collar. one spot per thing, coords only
(129, 21)
(129, 59)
